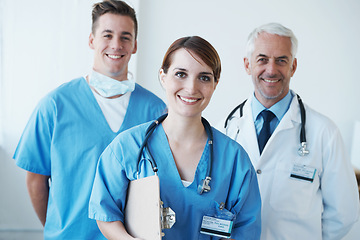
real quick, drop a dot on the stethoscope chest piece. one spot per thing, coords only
(302, 150)
(204, 185)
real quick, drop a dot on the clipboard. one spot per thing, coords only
(143, 208)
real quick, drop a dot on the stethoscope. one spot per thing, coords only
(303, 151)
(204, 185)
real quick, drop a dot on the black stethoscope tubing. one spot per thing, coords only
(152, 128)
(148, 133)
(303, 121)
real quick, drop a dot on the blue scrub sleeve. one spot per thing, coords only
(248, 207)
(33, 150)
(108, 197)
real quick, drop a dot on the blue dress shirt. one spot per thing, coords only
(279, 109)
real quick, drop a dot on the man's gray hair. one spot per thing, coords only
(271, 28)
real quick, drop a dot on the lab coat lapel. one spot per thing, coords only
(247, 137)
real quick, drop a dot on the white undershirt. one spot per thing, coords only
(114, 109)
(186, 183)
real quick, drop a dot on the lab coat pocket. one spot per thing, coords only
(292, 196)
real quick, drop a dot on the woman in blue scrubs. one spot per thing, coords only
(180, 147)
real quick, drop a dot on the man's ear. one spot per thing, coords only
(247, 65)
(135, 47)
(293, 67)
(91, 41)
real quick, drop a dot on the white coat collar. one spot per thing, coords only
(248, 138)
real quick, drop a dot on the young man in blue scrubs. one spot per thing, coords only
(73, 124)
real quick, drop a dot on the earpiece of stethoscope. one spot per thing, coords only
(302, 150)
(204, 185)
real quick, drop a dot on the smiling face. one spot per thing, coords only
(113, 43)
(189, 84)
(271, 68)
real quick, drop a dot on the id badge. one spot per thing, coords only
(219, 223)
(303, 172)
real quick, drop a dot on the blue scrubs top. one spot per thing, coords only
(63, 139)
(233, 182)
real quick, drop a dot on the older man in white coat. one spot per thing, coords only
(307, 193)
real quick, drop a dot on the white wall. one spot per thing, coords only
(45, 48)
(40, 50)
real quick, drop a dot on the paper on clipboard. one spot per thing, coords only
(142, 211)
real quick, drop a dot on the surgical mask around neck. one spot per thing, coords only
(109, 87)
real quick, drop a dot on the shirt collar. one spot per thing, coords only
(279, 108)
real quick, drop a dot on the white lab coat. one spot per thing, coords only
(296, 209)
